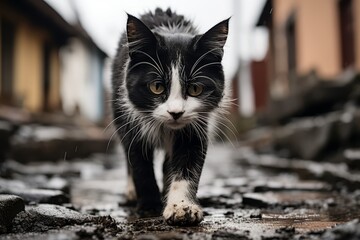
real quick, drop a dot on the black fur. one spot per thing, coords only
(146, 53)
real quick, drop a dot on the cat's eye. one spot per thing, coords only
(195, 90)
(157, 87)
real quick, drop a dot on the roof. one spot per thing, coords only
(265, 14)
(44, 15)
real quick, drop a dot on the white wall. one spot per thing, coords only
(81, 80)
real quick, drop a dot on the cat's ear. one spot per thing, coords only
(138, 34)
(215, 38)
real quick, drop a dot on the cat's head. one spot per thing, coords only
(175, 78)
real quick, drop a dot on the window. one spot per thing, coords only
(346, 33)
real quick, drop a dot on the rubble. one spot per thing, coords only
(6, 131)
(349, 231)
(61, 169)
(315, 97)
(43, 217)
(44, 143)
(260, 192)
(314, 138)
(10, 206)
(38, 195)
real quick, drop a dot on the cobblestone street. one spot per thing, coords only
(245, 195)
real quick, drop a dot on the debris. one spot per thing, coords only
(10, 206)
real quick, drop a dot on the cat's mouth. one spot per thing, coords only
(174, 124)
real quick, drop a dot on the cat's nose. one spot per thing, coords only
(176, 115)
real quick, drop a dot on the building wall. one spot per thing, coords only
(28, 67)
(81, 80)
(260, 83)
(356, 14)
(282, 9)
(74, 58)
(318, 41)
(317, 38)
(54, 93)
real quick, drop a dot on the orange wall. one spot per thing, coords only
(28, 62)
(281, 12)
(282, 9)
(28, 73)
(318, 37)
(356, 14)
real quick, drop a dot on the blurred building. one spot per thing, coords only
(42, 56)
(82, 73)
(307, 36)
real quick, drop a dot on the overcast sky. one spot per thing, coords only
(105, 20)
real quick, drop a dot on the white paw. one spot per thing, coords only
(183, 213)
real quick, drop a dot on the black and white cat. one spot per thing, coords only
(168, 90)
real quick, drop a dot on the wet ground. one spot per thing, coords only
(245, 195)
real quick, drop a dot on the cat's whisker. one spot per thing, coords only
(157, 55)
(217, 128)
(157, 74)
(111, 123)
(146, 63)
(136, 126)
(201, 57)
(202, 76)
(160, 68)
(117, 118)
(200, 131)
(151, 132)
(205, 121)
(223, 112)
(203, 66)
(116, 131)
(227, 127)
(129, 149)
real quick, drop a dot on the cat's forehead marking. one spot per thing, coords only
(175, 101)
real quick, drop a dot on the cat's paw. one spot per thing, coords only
(183, 213)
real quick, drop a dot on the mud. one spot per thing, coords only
(247, 198)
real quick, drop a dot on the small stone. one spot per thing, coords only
(47, 216)
(10, 206)
(349, 230)
(39, 195)
(286, 229)
(229, 214)
(291, 186)
(5, 134)
(256, 215)
(257, 200)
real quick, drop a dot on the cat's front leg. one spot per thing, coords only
(140, 163)
(182, 207)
